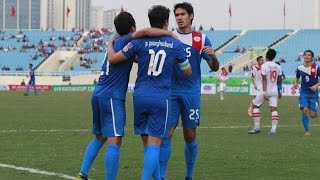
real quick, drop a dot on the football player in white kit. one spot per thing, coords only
(271, 74)
(223, 77)
(256, 80)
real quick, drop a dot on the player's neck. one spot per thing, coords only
(186, 29)
(308, 64)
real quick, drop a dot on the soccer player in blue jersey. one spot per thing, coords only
(32, 81)
(156, 61)
(186, 90)
(108, 100)
(309, 95)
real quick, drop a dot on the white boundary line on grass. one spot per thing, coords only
(36, 171)
(86, 130)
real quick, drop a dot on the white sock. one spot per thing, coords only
(256, 118)
(275, 119)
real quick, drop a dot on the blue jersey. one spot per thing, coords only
(309, 77)
(193, 44)
(31, 73)
(114, 78)
(156, 59)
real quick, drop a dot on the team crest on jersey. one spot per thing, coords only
(127, 47)
(197, 39)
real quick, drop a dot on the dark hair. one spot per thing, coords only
(186, 6)
(259, 57)
(271, 54)
(158, 15)
(30, 64)
(123, 23)
(309, 51)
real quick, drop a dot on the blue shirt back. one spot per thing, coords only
(156, 59)
(114, 78)
(309, 77)
(193, 44)
(31, 74)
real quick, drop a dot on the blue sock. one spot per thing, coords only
(35, 90)
(191, 151)
(165, 151)
(27, 90)
(150, 161)
(112, 161)
(156, 172)
(305, 122)
(89, 156)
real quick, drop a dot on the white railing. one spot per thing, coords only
(53, 73)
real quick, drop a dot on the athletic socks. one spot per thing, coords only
(275, 119)
(305, 122)
(112, 161)
(191, 151)
(89, 156)
(150, 161)
(256, 118)
(165, 151)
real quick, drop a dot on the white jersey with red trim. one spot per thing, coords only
(223, 77)
(193, 43)
(256, 73)
(272, 70)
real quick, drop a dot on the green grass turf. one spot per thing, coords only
(226, 151)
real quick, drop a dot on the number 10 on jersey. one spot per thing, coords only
(155, 69)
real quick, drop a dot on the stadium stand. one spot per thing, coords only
(257, 39)
(93, 50)
(291, 50)
(220, 37)
(19, 48)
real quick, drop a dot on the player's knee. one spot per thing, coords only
(313, 114)
(171, 133)
(189, 135)
(305, 111)
(255, 106)
(101, 138)
(272, 109)
(115, 140)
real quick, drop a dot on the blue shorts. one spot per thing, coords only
(309, 101)
(186, 105)
(31, 82)
(109, 116)
(151, 116)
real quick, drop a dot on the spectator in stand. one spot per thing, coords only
(230, 67)
(243, 50)
(237, 50)
(23, 83)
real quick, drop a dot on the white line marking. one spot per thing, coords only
(36, 171)
(45, 130)
(86, 130)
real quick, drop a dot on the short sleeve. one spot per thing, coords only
(129, 51)
(207, 42)
(253, 72)
(181, 53)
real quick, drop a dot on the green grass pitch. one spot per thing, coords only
(226, 151)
